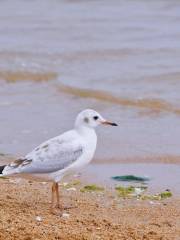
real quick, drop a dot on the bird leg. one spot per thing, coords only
(55, 200)
(58, 205)
(53, 204)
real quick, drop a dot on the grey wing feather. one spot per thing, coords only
(51, 157)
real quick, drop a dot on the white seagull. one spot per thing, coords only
(61, 155)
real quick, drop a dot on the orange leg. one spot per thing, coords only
(57, 196)
(55, 200)
(53, 204)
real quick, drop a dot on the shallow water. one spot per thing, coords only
(162, 176)
(119, 57)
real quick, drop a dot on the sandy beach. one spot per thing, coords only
(25, 215)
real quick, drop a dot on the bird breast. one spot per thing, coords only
(90, 141)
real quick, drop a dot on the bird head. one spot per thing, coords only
(90, 118)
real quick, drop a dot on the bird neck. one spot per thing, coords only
(85, 131)
(89, 136)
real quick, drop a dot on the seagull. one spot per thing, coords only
(61, 155)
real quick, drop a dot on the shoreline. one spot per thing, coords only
(161, 176)
(154, 159)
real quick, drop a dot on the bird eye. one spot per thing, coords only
(95, 117)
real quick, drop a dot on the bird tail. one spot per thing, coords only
(12, 168)
(1, 169)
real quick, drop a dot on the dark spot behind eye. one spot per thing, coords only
(86, 119)
(95, 117)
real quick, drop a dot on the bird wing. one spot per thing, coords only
(51, 156)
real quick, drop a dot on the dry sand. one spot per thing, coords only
(92, 216)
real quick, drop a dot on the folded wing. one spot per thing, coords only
(51, 156)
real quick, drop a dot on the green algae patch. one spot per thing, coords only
(72, 184)
(130, 191)
(76, 182)
(130, 178)
(166, 194)
(138, 192)
(92, 188)
(150, 197)
(125, 191)
(161, 196)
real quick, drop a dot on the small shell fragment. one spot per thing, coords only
(44, 183)
(65, 215)
(39, 219)
(71, 189)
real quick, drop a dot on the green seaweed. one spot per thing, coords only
(138, 192)
(130, 191)
(130, 178)
(160, 196)
(165, 194)
(72, 184)
(92, 188)
(150, 197)
(125, 191)
(76, 182)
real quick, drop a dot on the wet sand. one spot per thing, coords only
(91, 216)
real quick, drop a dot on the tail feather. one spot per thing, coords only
(2, 168)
